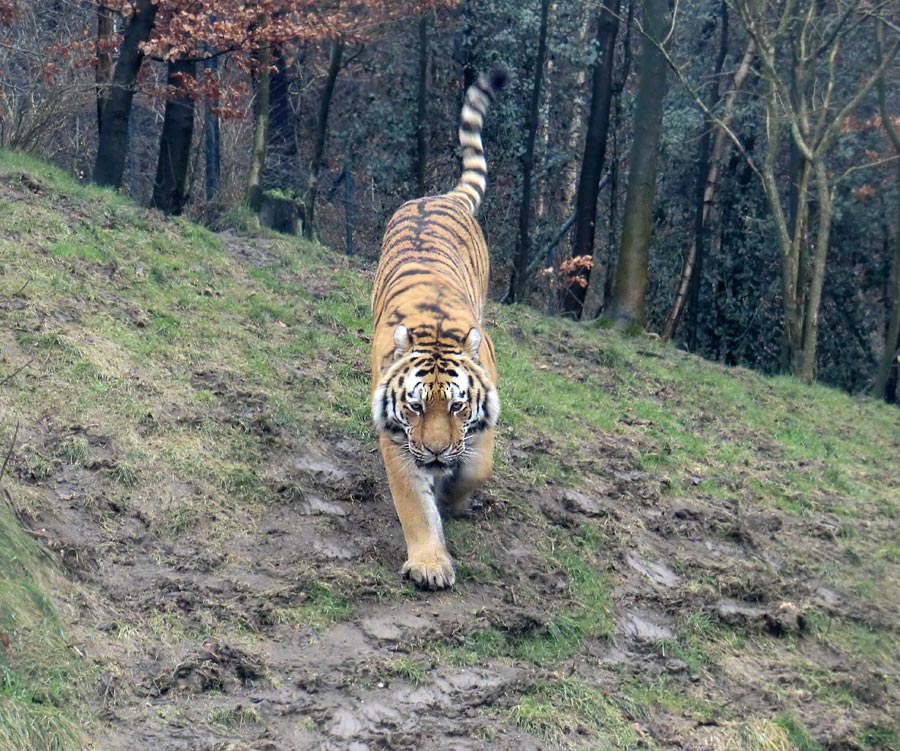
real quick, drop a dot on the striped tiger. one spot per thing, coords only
(434, 383)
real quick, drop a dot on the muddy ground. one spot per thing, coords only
(202, 646)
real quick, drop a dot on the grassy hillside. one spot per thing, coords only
(198, 548)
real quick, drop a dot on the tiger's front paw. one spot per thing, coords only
(434, 571)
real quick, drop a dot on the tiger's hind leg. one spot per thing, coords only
(455, 492)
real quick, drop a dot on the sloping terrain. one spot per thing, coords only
(671, 554)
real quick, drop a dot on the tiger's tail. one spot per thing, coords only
(479, 96)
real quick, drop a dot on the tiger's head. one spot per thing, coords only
(432, 401)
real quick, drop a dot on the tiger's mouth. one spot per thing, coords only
(438, 466)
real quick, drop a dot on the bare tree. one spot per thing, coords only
(710, 163)
(800, 97)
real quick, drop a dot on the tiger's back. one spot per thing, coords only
(434, 394)
(432, 277)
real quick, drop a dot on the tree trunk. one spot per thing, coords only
(889, 364)
(281, 148)
(348, 206)
(281, 115)
(103, 74)
(575, 119)
(312, 185)
(113, 143)
(260, 128)
(890, 358)
(421, 109)
(463, 44)
(212, 140)
(627, 306)
(595, 145)
(169, 194)
(813, 297)
(708, 179)
(518, 283)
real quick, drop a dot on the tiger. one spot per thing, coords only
(434, 379)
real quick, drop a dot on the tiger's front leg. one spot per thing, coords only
(455, 492)
(428, 563)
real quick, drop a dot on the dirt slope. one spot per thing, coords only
(670, 556)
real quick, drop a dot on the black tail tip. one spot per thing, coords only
(498, 77)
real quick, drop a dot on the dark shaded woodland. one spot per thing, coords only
(722, 172)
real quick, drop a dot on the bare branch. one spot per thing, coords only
(870, 165)
(833, 128)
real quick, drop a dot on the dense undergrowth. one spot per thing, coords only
(164, 362)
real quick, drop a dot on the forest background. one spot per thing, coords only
(723, 172)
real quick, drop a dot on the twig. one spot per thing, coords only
(12, 445)
(16, 372)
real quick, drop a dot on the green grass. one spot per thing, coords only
(561, 711)
(160, 365)
(408, 669)
(322, 607)
(40, 677)
(880, 738)
(233, 719)
(797, 734)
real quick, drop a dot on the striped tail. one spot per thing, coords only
(478, 98)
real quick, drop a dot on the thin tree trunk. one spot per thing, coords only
(312, 185)
(463, 46)
(169, 194)
(595, 144)
(708, 180)
(599, 289)
(260, 128)
(212, 139)
(542, 137)
(113, 143)
(628, 305)
(103, 74)
(813, 299)
(421, 109)
(348, 206)
(518, 283)
(575, 120)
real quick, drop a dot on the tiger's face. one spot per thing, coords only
(434, 403)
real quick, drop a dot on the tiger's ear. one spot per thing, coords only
(472, 343)
(401, 341)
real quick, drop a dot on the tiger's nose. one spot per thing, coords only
(437, 450)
